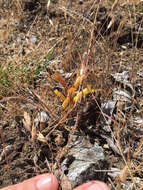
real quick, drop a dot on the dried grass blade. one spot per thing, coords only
(27, 121)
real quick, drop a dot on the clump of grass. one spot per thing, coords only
(4, 79)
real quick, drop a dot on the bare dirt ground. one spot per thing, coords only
(47, 46)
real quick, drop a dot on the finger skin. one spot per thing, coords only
(32, 184)
(93, 185)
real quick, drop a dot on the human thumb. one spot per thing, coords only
(93, 185)
(41, 182)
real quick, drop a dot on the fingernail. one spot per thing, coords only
(45, 183)
(96, 186)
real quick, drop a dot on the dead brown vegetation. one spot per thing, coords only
(43, 46)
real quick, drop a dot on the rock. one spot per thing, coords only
(84, 162)
(41, 120)
(123, 79)
(33, 39)
(108, 107)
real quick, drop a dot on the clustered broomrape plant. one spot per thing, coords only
(71, 95)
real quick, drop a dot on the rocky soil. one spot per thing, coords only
(100, 137)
